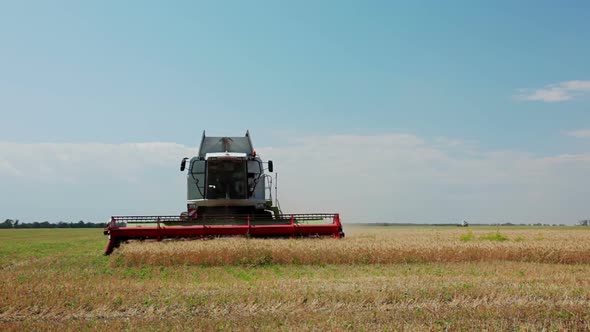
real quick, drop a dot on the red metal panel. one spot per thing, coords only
(118, 233)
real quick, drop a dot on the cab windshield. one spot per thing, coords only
(226, 179)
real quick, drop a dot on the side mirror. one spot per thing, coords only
(270, 166)
(183, 164)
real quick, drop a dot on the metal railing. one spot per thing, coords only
(227, 219)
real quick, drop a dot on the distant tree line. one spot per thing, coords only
(584, 222)
(10, 223)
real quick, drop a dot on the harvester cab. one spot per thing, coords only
(228, 178)
(229, 193)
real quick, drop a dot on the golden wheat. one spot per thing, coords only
(387, 246)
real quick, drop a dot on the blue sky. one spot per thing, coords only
(504, 83)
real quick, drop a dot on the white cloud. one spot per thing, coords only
(8, 169)
(393, 177)
(561, 91)
(406, 178)
(51, 162)
(580, 133)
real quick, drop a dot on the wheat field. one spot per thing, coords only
(378, 278)
(374, 246)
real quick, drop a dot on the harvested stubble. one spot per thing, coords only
(386, 246)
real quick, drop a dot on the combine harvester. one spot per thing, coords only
(228, 194)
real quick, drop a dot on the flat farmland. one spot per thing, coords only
(377, 278)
